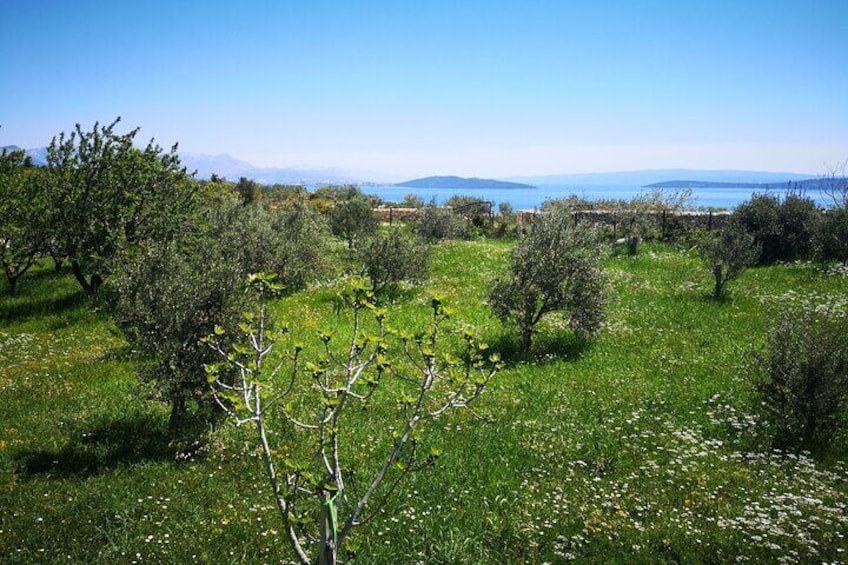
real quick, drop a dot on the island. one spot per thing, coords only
(460, 182)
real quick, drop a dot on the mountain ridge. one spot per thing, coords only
(230, 167)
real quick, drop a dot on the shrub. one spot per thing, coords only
(799, 219)
(352, 219)
(167, 298)
(476, 211)
(412, 201)
(555, 266)
(803, 376)
(394, 257)
(305, 253)
(831, 239)
(727, 254)
(437, 224)
(293, 243)
(784, 230)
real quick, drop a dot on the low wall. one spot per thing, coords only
(663, 219)
(390, 214)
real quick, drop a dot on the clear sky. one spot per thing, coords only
(468, 87)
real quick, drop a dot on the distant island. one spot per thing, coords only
(460, 182)
(806, 184)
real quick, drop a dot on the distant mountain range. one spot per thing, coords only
(460, 182)
(38, 155)
(228, 166)
(231, 168)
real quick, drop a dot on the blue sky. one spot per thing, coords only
(493, 88)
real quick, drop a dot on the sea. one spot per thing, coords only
(724, 198)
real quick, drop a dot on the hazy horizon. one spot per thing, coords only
(500, 89)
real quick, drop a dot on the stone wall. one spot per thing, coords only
(661, 219)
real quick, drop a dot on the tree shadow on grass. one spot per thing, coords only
(546, 348)
(114, 444)
(19, 307)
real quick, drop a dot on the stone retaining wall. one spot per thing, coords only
(662, 218)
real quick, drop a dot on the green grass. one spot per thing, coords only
(639, 448)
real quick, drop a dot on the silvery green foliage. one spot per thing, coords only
(784, 229)
(436, 224)
(831, 241)
(168, 297)
(394, 257)
(727, 253)
(353, 218)
(554, 267)
(803, 376)
(292, 243)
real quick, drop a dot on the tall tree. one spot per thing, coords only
(22, 216)
(105, 194)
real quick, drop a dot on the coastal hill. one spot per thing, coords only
(460, 182)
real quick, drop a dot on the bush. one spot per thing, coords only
(436, 224)
(784, 230)
(167, 298)
(555, 266)
(799, 220)
(727, 254)
(305, 253)
(293, 243)
(394, 257)
(353, 219)
(803, 377)
(476, 211)
(169, 295)
(831, 239)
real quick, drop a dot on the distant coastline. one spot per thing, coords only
(799, 185)
(460, 182)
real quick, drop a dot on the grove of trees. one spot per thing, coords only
(188, 270)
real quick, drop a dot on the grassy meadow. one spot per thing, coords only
(643, 447)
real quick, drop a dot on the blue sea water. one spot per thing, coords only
(529, 198)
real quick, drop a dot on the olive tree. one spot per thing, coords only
(393, 257)
(292, 243)
(727, 254)
(436, 224)
(106, 194)
(312, 468)
(168, 297)
(785, 229)
(353, 218)
(554, 267)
